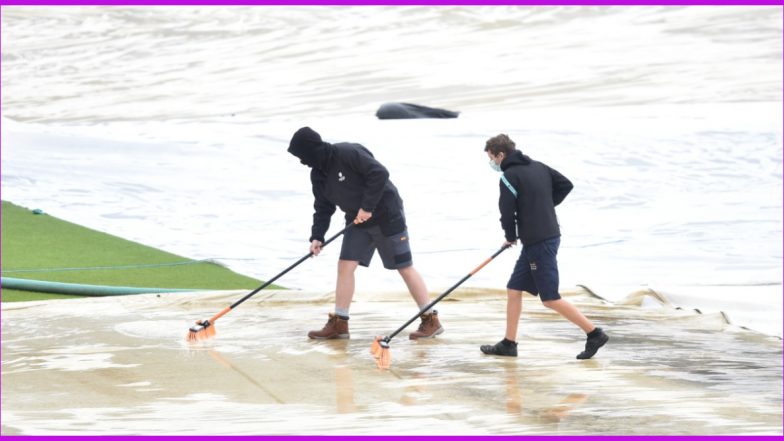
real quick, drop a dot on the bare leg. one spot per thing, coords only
(416, 285)
(514, 306)
(508, 346)
(571, 313)
(344, 291)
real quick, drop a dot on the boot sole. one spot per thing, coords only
(490, 349)
(337, 337)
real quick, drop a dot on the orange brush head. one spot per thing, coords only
(375, 348)
(201, 331)
(384, 358)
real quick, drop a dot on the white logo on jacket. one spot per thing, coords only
(341, 178)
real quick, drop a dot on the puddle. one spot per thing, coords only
(665, 371)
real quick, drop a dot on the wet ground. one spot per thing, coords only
(122, 366)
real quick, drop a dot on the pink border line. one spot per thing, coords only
(396, 2)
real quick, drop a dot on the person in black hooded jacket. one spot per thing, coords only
(347, 176)
(530, 190)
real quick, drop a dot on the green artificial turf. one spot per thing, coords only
(61, 251)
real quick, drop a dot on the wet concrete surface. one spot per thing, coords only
(122, 366)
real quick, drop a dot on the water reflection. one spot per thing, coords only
(223, 361)
(662, 376)
(514, 395)
(344, 376)
(516, 405)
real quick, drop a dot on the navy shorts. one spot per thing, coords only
(536, 271)
(359, 245)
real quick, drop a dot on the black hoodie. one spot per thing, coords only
(539, 189)
(347, 175)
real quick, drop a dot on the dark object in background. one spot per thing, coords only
(412, 111)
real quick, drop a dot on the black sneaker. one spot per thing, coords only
(508, 350)
(592, 344)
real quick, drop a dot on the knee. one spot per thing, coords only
(346, 267)
(407, 270)
(550, 303)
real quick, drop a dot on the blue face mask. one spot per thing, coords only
(495, 166)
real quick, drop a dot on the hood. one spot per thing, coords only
(516, 158)
(306, 144)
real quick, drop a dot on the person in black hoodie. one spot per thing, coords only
(530, 190)
(346, 175)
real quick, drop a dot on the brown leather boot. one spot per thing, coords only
(429, 328)
(336, 327)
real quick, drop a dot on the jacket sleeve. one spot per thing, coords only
(323, 207)
(375, 174)
(507, 204)
(561, 186)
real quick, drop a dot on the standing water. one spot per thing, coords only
(169, 126)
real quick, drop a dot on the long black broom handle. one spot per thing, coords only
(439, 298)
(304, 258)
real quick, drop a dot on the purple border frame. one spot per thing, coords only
(779, 3)
(397, 2)
(420, 438)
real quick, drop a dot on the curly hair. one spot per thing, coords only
(500, 144)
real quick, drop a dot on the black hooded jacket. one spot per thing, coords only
(539, 189)
(346, 175)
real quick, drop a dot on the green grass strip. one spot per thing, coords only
(42, 247)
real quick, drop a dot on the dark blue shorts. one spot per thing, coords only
(359, 245)
(536, 271)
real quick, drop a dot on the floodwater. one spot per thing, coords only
(122, 366)
(168, 126)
